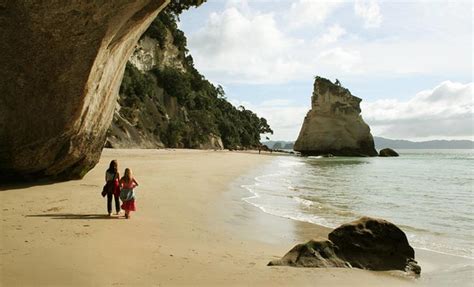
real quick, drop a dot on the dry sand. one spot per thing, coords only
(191, 228)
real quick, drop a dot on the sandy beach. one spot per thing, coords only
(191, 228)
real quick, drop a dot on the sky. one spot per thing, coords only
(410, 61)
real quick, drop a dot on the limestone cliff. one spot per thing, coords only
(165, 102)
(61, 68)
(334, 124)
(143, 122)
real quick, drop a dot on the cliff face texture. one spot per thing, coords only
(164, 101)
(62, 64)
(334, 124)
(143, 122)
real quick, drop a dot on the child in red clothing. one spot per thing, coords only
(127, 195)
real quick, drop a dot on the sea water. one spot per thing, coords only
(427, 193)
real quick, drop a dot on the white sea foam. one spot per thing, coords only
(289, 163)
(303, 202)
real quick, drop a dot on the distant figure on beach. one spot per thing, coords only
(127, 194)
(112, 178)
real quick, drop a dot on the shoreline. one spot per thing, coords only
(191, 228)
(243, 183)
(434, 263)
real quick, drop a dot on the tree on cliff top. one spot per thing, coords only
(176, 7)
(206, 109)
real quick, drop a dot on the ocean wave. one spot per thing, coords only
(289, 163)
(455, 253)
(302, 201)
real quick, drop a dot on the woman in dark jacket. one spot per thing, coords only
(112, 178)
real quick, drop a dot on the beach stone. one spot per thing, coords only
(367, 243)
(334, 124)
(314, 253)
(388, 152)
(62, 65)
(374, 244)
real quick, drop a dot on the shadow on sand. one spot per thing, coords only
(10, 184)
(73, 216)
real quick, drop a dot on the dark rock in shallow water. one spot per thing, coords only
(367, 243)
(386, 152)
(374, 244)
(311, 254)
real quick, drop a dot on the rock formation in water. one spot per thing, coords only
(314, 253)
(334, 124)
(387, 152)
(374, 244)
(367, 243)
(61, 68)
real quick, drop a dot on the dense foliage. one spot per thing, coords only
(167, 20)
(207, 112)
(176, 7)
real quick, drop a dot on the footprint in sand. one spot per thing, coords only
(57, 201)
(58, 208)
(89, 185)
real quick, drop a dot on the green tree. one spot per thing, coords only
(176, 7)
(202, 109)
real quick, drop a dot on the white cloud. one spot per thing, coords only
(276, 103)
(242, 44)
(446, 111)
(283, 116)
(369, 11)
(332, 35)
(311, 12)
(340, 59)
(242, 47)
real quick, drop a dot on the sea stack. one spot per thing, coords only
(334, 124)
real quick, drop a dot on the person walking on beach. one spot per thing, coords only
(127, 194)
(112, 178)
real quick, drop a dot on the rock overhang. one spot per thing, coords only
(62, 65)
